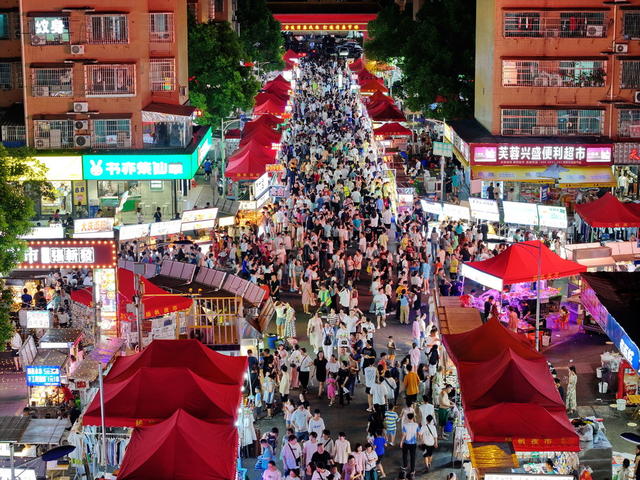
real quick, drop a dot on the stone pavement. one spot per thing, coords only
(13, 388)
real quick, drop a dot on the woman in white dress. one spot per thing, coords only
(572, 400)
(314, 332)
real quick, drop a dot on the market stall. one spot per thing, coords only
(154, 451)
(522, 263)
(607, 218)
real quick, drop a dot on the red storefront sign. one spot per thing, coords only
(540, 154)
(69, 254)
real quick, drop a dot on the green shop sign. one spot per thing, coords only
(147, 166)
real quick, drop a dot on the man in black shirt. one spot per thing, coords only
(487, 308)
(321, 457)
(369, 354)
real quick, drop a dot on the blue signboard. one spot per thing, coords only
(38, 376)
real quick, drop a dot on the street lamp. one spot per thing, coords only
(224, 126)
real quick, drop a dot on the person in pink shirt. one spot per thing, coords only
(272, 472)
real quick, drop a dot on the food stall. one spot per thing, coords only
(607, 218)
(49, 369)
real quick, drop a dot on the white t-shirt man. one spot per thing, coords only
(379, 393)
(370, 376)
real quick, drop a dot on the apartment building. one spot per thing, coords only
(216, 10)
(554, 84)
(11, 112)
(105, 90)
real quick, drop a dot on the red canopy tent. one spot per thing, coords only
(181, 447)
(278, 80)
(273, 106)
(373, 86)
(156, 300)
(378, 98)
(508, 377)
(487, 342)
(365, 75)
(190, 354)
(386, 113)
(357, 65)
(153, 394)
(250, 161)
(609, 212)
(392, 129)
(280, 90)
(519, 264)
(233, 133)
(262, 135)
(529, 427)
(264, 97)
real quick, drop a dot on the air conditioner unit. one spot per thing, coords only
(165, 36)
(551, 131)
(77, 49)
(80, 107)
(80, 125)
(38, 40)
(537, 130)
(40, 91)
(595, 30)
(82, 141)
(620, 47)
(42, 143)
(541, 81)
(636, 97)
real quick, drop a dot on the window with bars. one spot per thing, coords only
(553, 73)
(6, 76)
(110, 80)
(4, 26)
(14, 133)
(17, 75)
(216, 7)
(554, 24)
(552, 122)
(161, 27)
(629, 123)
(53, 30)
(631, 25)
(630, 74)
(109, 133)
(105, 29)
(52, 82)
(162, 74)
(53, 133)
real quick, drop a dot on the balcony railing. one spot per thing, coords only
(555, 24)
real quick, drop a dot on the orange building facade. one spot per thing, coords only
(550, 70)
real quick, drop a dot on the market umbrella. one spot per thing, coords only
(392, 129)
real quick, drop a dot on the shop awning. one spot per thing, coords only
(153, 394)
(511, 378)
(377, 98)
(280, 90)
(386, 113)
(181, 447)
(609, 212)
(292, 55)
(486, 343)
(519, 264)
(529, 427)
(270, 121)
(392, 129)
(191, 354)
(365, 75)
(569, 177)
(156, 301)
(162, 111)
(250, 161)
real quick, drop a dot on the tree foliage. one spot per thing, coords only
(21, 179)
(219, 84)
(260, 34)
(6, 326)
(436, 53)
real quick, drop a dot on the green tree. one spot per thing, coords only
(436, 53)
(260, 34)
(21, 179)
(219, 84)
